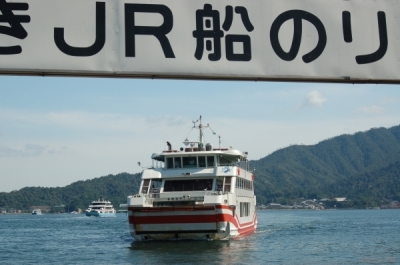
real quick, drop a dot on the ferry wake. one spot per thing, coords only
(197, 192)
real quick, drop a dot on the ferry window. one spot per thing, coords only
(155, 185)
(188, 185)
(244, 209)
(189, 161)
(145, 186)
(208, 185)
(227, 186)
(224, 161)
(169, 162)
(178, 162)
(219, 183)
(202, 161)
(210, 161)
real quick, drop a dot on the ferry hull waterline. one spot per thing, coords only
(200, 192)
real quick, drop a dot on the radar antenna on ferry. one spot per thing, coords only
(200, 143)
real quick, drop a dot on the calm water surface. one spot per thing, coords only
(282, 237)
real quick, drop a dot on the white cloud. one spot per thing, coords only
(28, 150)
(314, 98)
(371, 110)
(89, 121)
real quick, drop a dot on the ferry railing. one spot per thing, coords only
(244, 193)
(154, 197)
(151, 197)
(216, 193)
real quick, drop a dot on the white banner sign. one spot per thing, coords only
(291, 40)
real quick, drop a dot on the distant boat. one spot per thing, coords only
(101, 208)
(36, 212)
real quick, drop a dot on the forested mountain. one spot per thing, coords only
(364, 167)
(80, 194)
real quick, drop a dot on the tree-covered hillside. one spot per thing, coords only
(354, 166)
(114, 188)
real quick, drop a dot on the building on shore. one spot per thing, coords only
(44, 209)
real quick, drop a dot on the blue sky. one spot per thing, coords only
(58, 130)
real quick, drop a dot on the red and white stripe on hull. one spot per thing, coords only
(215, 222)
(243, 229)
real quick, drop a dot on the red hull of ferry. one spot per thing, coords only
(188, 219)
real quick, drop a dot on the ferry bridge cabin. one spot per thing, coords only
(198, 171)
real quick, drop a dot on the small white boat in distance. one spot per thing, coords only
(197, 192)
(101, 208)
(36, 212)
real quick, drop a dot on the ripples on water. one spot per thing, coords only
(282, 237)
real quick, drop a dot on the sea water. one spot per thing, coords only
(282, 237)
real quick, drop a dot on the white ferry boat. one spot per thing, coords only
(36, 212)
(198, 192)
(101, 208)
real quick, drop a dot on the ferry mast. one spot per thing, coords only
(200, 143)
